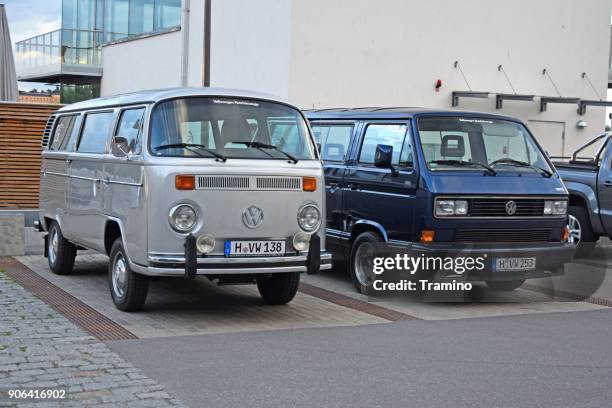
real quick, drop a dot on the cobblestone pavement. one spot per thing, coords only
(40, 349)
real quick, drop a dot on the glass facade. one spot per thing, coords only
(74, 51)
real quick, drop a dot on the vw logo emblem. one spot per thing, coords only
(510, 207)
(252, 217)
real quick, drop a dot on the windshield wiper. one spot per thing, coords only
(463, 163)
(192, 147)
(259, 145)
(519, 163)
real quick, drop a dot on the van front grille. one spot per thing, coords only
(503, 235)
(268, 183)
(496, 207)
(223, 182)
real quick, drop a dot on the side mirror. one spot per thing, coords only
(383, 158)
(119, 147)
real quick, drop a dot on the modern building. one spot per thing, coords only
(542, 61)
(71, 56)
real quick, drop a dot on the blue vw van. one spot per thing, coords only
(441, 183)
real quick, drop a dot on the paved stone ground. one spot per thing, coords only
(40, 349)
(176, 307)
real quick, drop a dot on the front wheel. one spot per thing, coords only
(128, 289)
(362, 260)
(61, 253)
(280, 288)
(581, 233)
(505, 286)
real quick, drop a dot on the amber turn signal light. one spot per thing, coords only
(566, 234)
(309, 184)
(427, 235)
(184, 182)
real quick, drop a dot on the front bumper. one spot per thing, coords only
(550, 258)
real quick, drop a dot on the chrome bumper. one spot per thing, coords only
(174, 265)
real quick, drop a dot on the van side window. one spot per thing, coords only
(385, 134)
(63, 130)
(334, 139)
(130, 127)
(95, 132)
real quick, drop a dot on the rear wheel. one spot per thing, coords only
(361, 261)
(280, 288)
(61, 253)
(581, 232)
(505, 285)
(128, 288)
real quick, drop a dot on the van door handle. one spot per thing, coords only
(352, 186)
(106, 181)
(607, 183)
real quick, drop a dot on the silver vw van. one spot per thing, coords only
(183, 182)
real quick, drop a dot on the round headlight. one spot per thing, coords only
(301, 241)
(309, 217)
(183, 218)
(205, 243)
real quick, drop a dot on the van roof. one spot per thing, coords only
(156, 95)
(391, 113)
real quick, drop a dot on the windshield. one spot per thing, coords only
(229, 128)
(470, 144)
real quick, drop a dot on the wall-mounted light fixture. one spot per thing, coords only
(581, 124)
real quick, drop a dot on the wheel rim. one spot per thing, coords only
(53, 245)
(363, 263)
(574, 230)
(119, 275)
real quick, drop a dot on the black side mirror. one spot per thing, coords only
(383, 158)
(119, 146)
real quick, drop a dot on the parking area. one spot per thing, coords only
(177, 307)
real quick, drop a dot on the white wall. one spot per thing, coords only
(146, 63)
(390, 53)
(250, 45)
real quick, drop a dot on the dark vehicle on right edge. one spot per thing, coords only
(441, 183)
(588, 178)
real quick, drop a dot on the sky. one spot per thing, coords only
(27, 18)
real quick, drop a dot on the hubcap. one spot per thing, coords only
(53, 245)
(363, 263)
(119, 275)
(574, 230)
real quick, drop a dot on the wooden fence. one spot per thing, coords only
(21, 129)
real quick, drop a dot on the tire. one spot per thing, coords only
(280, 288)
(581, 231)
(359, 262)
(128, 288)
(61, 253)
(505, 285)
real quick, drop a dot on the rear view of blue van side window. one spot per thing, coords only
(334, 140)
(390, 135)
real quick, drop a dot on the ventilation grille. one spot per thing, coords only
(47, 131)
(496, 207)
(269, 183)
(503, 235)
(279, 183)
(223, 183)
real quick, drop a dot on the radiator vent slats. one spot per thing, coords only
(47, 131)
(245, 183)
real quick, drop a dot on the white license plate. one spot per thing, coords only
(514, 264)
(262, 248)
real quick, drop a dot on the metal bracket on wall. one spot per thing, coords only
(499, 99)
(545, 100)
(467, 94)
(582, 105)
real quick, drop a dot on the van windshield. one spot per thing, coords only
(474, 144)
(224, 127)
